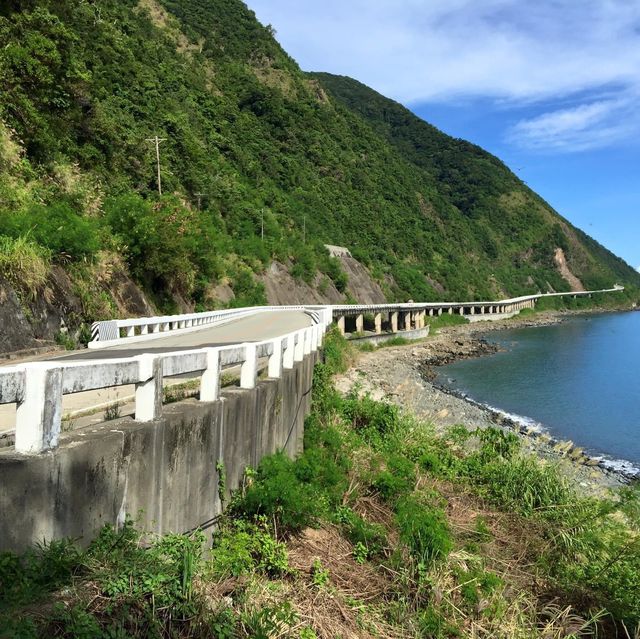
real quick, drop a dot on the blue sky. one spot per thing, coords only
(552, 87)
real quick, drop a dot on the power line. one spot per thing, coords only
(156, 140)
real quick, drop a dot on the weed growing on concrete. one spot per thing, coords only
(222, 480)
(113, 411)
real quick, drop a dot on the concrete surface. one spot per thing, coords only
(163, 472)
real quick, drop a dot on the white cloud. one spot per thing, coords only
(516, 51)
(580, 128)
(423, 50)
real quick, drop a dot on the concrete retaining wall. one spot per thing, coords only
(417, 333)
(163, 472)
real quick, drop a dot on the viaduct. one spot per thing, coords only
(163, 463)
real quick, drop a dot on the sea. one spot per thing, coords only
(579, 380)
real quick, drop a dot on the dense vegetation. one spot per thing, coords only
(382, 527)
(249, 141)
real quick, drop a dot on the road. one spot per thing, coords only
(254, 328)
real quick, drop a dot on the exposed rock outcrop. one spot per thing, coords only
(281, 288)
(361, 286)
(561, 263)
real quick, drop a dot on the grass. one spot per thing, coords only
(445, 320)
(380, 527)
(25, 264)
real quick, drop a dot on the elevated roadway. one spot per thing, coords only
(253, 328)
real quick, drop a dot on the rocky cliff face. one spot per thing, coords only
(281, 288)
(58, 312)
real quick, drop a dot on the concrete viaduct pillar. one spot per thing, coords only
(359, 323)
(378, 323)
(341, 323)
(393, 318)
(407, 321)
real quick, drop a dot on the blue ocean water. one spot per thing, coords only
(579, 379)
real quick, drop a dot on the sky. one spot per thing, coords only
(552, 87)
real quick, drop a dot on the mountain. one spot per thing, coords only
(261, 166)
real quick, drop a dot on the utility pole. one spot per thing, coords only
(262, 225)
(156, 140)
(199, 196)
(304, 229)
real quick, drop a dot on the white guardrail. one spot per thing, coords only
(37, 388)
(123, 331)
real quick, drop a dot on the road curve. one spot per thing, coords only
(254, 328)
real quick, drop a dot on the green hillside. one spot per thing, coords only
(247, 138)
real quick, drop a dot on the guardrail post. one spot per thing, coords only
(298, 349)
(210, 380)
(249, 369)
(288, 355)
(39, 414)
(275, 359)
(322, 329)
(149, 388)
(307, 335)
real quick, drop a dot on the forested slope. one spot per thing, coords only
(250, 143)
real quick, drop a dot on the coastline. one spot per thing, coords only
(405, 376)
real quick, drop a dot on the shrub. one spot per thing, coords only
(240, 547)
(375, 421)
(42, 569)
(398, 478)
(368, 539)
(497, 444)
(57, 227)
(169, 246)
(424, 530)
(336, 351)
(278, 493)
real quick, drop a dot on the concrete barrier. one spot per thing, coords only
(165, 471)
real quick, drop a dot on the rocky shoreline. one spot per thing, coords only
(406, 376)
